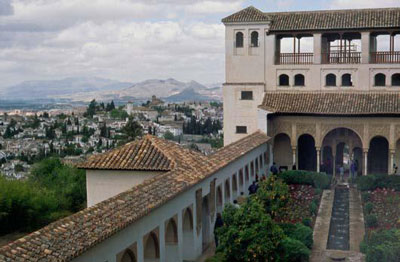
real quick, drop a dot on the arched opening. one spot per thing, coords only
(284, 80)
(396, 80)
(252, 168)
(358, 158)
(219, 199)
(380, 80)
(239, 39)
(205, 223)
(227, 192)
(128, 256)
(378, 155)
(256, 164)
(261, 161)
(396, 162)
(299, 80)
(307, 154)
(346, 80)
(330, 80)
(241, 179)
(171, 242)
(254, 39)
(188, 240)
(152, 248)
(282, 151)
(234, 186)
(327, 158)
(337, 150)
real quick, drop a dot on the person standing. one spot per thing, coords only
(218, 223)
(274, 169)
(353, 171)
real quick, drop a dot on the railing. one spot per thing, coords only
(341, 58)
(385, 57)
(295, 58)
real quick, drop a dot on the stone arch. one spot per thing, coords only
(299, 80)
(234, 186)
(151, 248)
(330, 80)
(187, 236)
(227, 192)
(205, 223)
(378, 155)
(257, 166)
(128, 256)
(282, 150)
(347, 80)
(246, 172)
(307, 153)
(396, 79)
(357, 132)
(171, 241)
(219, 199)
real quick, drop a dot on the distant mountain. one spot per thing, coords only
(189, 94)
(64, 87)
(86, 89)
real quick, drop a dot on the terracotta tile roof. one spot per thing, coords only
(321, 20)
(70, 237)
(137, 155)
(334, 103)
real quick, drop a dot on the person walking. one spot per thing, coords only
(253, 188)
(353, 171)
(218, 223)
(274, 169)
(341, 171)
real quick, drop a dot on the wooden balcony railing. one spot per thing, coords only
(385, 57)
(341, 58)
(295, 58)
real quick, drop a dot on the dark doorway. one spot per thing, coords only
(307, 153)
(378, 156)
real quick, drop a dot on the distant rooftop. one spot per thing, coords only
(320, 20)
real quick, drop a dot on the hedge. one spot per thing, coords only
(382, 245)
(374, 181)
(317, 180)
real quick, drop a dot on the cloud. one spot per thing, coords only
(211, 7)
(6, 8)
(340, 4)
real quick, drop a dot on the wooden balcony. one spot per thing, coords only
(295, 58)
(341, 58)
(385, 57)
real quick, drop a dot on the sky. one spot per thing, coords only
(127, 40)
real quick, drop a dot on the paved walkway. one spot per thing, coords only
(321, 229)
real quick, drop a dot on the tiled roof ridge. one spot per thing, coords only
(154, 140)
(70, 237)
(325, 11)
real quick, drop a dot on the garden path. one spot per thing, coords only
(321, 229)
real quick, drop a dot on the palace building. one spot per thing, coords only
(308, 90)
(324, 85)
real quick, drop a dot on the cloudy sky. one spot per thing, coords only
(127, 40)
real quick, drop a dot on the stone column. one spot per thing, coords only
(317, 48)
(391, 162)
(365, 47)
(294, 154)
(365, 161)
(318, 158)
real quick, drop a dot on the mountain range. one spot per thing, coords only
(84, 89)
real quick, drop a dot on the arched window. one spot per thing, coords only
(239, 39)
(380, 80)
(299, 80)
(151, 248)
(254, 39)
(330, 80)
(396, 80)
(128, 256)
(171, 233)
(284, 80)
(346, 80)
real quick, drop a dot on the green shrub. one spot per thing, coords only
(299, 232)
(371, 220)
(368, 207)
(374, 181)
(218, 257)
(382, 245)
(317, 180)
(294, 251)
(313, 208)
(307, 222)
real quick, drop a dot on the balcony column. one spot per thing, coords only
(317, 48)
(365, 47)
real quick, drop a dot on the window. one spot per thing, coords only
(330, 80)
(239, 39)
(380, 80)
(254, 39)
(241, 129)
(284, 80)
(299, 80)
(346, 80)
(396, 80)
(247, 95)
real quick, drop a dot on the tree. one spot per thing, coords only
(110, 106)
(91, 109)
(132, 130)
(168, 135)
